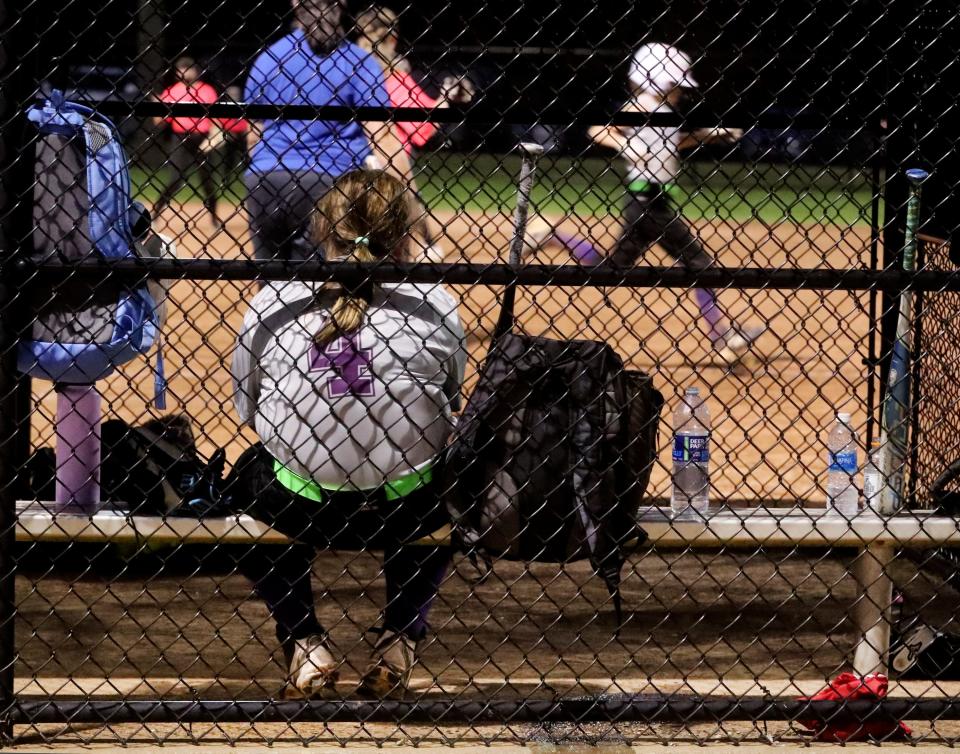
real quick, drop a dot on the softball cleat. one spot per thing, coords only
(313, 670)
(391, 666)
(539, 234)
(736, 348)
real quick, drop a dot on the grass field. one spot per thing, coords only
(592, 187)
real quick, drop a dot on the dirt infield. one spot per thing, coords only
(769, 423)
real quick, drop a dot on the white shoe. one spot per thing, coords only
(737, 345)
(313, 670)
(372, 162)
(388, 674)
(537, 235)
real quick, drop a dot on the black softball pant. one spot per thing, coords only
(345, 520)
(279, 205)
(184, 157)
(652, 218)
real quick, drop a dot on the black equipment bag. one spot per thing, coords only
(919, 650)
(923, 652)
(552, 454)
(155, 469)
(945, 561)
(152, 469)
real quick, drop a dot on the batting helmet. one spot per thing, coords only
(658, 67)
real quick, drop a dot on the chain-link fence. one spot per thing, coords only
(331, 413)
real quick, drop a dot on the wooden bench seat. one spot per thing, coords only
(877, 537)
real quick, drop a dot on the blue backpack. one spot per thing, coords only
(82, 210)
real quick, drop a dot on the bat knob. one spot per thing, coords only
(531, 149)
(916, 175)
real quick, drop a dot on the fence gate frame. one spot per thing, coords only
(883, 279)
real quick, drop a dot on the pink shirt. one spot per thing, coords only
(404, 91)
(197, 92)
(234, 125)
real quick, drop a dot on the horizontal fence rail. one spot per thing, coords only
(744, 278)
(612, 708)
(478, 114)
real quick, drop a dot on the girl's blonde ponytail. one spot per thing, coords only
(365, 216)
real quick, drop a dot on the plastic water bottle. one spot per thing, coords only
(873, 477)
(842, 498)
(691, 456)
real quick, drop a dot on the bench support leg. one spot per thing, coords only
(78, 448)
(872, 611)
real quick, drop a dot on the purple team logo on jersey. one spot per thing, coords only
(350, 365)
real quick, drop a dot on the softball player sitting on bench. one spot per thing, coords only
(350, 393)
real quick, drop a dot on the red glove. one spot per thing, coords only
(848, 686)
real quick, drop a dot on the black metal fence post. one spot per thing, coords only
(16, 177)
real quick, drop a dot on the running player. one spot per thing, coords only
(377, 33)
(660, 78)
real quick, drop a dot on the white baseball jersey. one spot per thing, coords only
(365, 409)
(653, 153)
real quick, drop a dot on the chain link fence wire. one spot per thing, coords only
(329, 414)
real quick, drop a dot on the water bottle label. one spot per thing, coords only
(687, 448)
(845, 460)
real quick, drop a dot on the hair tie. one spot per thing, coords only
(361, 241)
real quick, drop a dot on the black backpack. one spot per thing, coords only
(552, 455)
(155, 469)
(917, 649)
(945, 498)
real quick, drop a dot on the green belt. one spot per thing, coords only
(312, 490)
(642, 186)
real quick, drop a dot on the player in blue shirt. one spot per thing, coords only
(294, 162)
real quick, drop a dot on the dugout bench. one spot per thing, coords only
(877, 538)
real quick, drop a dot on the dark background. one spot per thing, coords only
(828, 56)
(878, 74)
